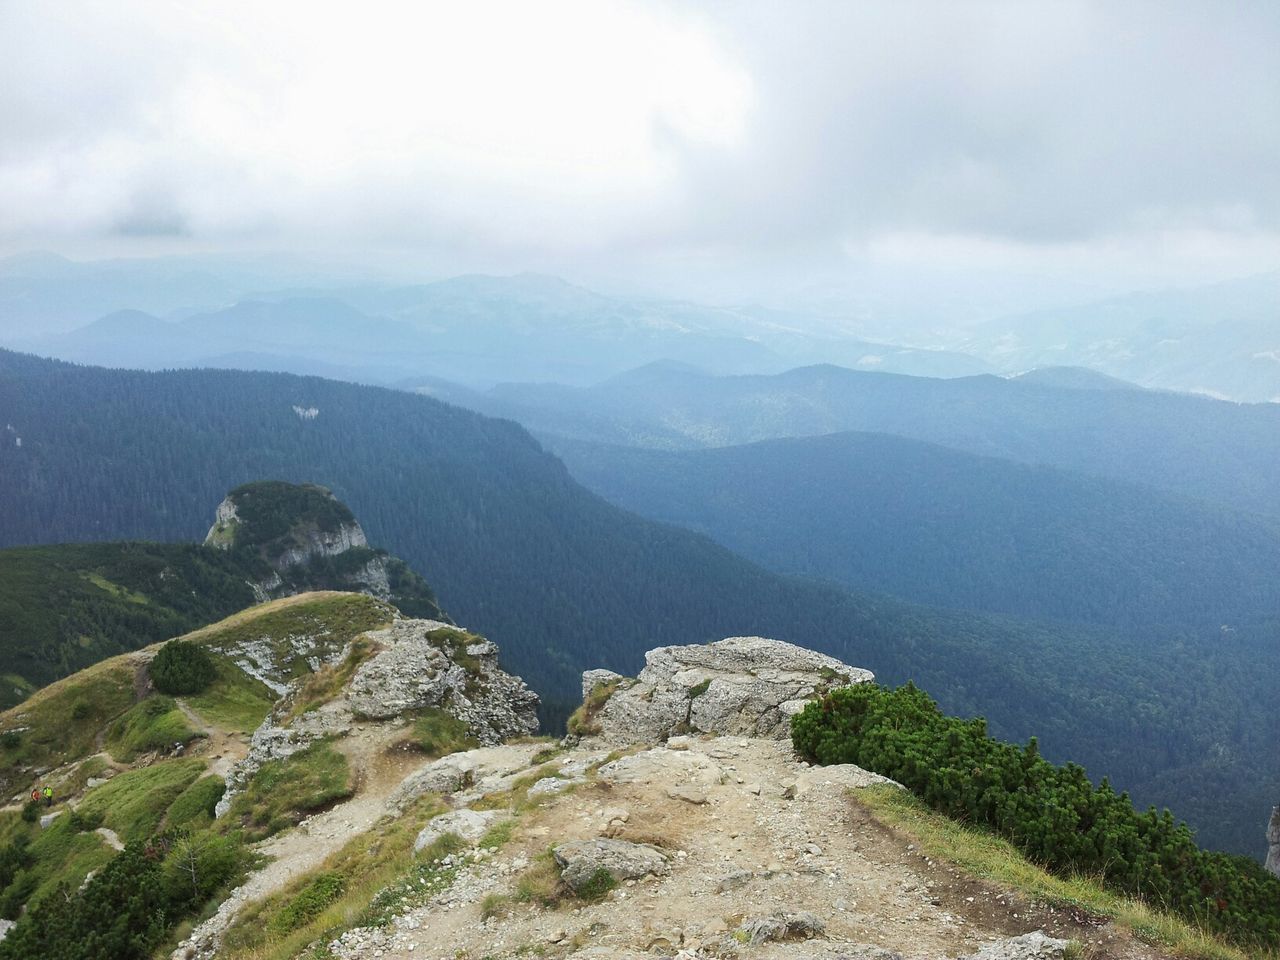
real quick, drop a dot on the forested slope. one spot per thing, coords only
(947, 528)
(1227, 453)
(564, 581)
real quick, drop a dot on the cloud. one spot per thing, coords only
(613, 131)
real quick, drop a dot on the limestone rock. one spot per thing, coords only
(784, 925)
(595, 678)
(748, 686)
(1273, 842)
(422, 665)
(1029, 946)
(549, 785)
(663, 766)
(579, 860)
(470, 825)
(838, 776)
(446, 775)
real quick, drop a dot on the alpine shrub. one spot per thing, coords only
(1053, 814)
(182, 668)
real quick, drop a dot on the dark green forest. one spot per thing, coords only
(65, 607)
(953, 529)
(563, 581)
(1052, 814)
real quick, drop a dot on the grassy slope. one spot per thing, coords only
(63, 608)
(990, 858)
(64, 721)
(96, 708)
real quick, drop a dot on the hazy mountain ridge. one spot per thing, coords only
(1221, 339)
(1225, 453)
(946, 528)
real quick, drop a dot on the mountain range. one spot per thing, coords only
(513, 546)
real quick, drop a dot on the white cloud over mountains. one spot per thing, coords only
(727, 133)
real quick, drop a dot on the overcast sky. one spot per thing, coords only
(784, 142)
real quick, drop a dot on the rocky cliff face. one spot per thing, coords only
(1273, 842)
(302, 537)
(741, 686)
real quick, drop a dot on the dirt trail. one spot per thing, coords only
(376, 771)
(222, 750)
(772, 835)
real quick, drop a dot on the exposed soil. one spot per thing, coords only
(812, 847)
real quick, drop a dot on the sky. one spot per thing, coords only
(719, 146)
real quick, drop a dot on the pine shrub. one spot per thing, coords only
(182, 668)
(1053, 814)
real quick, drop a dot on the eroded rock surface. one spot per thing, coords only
(419, 664)
(741, 686)
(470, 825)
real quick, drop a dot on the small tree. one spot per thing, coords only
(182, 668)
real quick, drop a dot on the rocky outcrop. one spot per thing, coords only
(416, 665)
(743, 686)
(1273, 842)
(426, 663)
(303, 540)
(299, 537)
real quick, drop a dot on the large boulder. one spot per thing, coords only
(742, 686)
(581, 860)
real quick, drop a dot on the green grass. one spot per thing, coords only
(235, 702)
(193, 808)
(990, 858)
(438, 733)
(308, 903)
(62, 721)
(155, 723)
(59, 854)
(134, 803)
(123, 593)
(379, 871)
(284, 791)
(582, 722)
(332, 619)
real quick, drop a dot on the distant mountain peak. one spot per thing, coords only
(1074, 378)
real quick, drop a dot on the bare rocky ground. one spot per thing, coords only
(753, 840)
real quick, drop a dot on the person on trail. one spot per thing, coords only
(35, 794)
(48, 796)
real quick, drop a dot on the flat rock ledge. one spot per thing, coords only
(740, 686)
